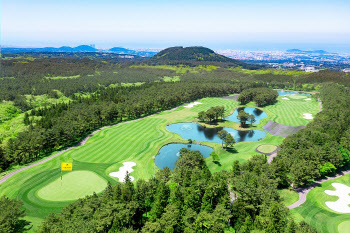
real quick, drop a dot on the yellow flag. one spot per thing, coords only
(66, 166)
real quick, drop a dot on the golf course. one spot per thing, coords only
(43, 190)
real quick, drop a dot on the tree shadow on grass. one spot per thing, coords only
(231, 150)
(23, 226)
(217, 163)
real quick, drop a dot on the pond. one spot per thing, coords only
(282, 92)
(254, 111)
(197, 132)
(168, 154)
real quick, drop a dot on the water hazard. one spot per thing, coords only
(197, 132)
(169, 154)
(254, 111)
(282, 92)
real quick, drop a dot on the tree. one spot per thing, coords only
(327, 168)
(222, 134)
(251, 119)
(236, 168)
(10, 216)
(211, 114)
(26, 120)
(202, 116)
(214, 156)
(242, 117)
(229, 140)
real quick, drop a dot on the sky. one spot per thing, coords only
(219, 24)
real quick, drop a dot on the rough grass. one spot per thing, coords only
(63, 77)
(266, 148)
(171, 79)
(289, 196)
(315, 212)
(271, 71)
(290, 112)
(181, 69)
(8, 111)
(74, 185)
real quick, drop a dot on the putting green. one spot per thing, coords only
(75, 185)
(344, 227)
(266, 148)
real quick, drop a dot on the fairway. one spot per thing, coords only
(290, 112)
(318, 214)
(74, 185)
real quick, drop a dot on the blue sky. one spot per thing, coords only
(162, 23)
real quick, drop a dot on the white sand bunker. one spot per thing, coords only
(342, 204)
(285, 98)
(308, 99)
(192, 104)
(308, 116)
(122, 171)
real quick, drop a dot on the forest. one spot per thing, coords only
(190, 198)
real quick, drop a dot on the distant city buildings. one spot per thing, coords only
(309, 61)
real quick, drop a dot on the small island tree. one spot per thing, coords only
(229, 140)
(251, 119)
(222, 135)
(243, 117)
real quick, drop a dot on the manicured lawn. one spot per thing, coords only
(290, 112)
(315, 211)
(266, 148)
(73, 185)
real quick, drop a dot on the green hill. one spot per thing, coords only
(195, 56)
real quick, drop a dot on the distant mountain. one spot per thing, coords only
(65, 49)
(85, 48)
(81, 48)
(120, 50)
(306, 52)
(195, 55)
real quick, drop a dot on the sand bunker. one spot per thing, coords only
(308, 116)
(308, 99)
(192, 104)
(342, 204)
(122, 171)
(285, 98)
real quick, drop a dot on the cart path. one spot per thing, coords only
(2, 180)
(304, 191)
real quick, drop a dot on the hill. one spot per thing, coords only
(195, 56)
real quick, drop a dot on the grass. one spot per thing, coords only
(105, 152)
(74, 185)
(171, 79)
(63, 77)
(271, 71)
(289, 196)
(266, 148)
(181, 69)
(290, 112)
(315, 211)
(8, 111)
